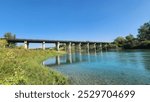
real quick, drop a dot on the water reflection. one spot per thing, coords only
(69, 58)
(72, 58)
(58, 60)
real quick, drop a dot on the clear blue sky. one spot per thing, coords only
(94, 20)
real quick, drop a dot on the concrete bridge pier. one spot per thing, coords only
(43, 45)
(78, 47)
(26, 45)
(88, 47)
(73, 46)
(106, 46)
(68, 47)
(57, 46)
(94, 46)
(100, 46)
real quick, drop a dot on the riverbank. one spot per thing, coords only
(20, 66)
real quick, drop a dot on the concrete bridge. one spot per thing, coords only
(78, 44)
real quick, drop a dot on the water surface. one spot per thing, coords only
(127, 67)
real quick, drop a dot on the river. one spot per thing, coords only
(126, 67)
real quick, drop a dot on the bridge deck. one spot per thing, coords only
(49, 41)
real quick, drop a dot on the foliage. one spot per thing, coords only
(9, 35)
(20, 47)
(142, 40)
(3, 43)
(111, 46)
(129, 38)
(144, 32)
(119, 41)
(145, 44)
(131, 44)
(20, 66)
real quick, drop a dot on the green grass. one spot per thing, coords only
(20, 66)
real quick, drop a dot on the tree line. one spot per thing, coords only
(141, 41)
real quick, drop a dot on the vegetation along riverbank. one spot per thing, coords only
(20, 66)
(141, 41)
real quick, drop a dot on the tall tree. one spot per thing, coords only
(144, 32)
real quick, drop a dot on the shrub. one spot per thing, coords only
(145, 44)
(3, 43)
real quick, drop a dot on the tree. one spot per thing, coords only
(144, 32)
(9, 35)
(142, 40)
(120, 41)
(129, 37)
(145, 44)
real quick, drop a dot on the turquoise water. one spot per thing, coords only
(127, 67)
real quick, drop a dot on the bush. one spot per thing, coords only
(112, 46)
(132, 44)
(3, 43)
(20, 47)
(145, 44)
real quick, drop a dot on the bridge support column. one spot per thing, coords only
(87, 47)
(57, 46)
(78, 47)
(94, 46)
(100, 46)
(69, 47)
(26, 45)
(43, 45)
(106, 46)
